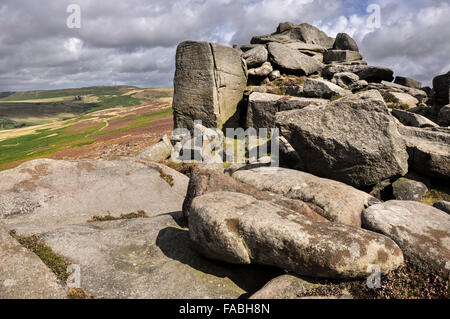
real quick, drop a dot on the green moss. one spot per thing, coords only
(55, 262)
(389, 98)
(106, 218)
(78, 293)
(433, 195)
(183, 168)
(335, 97)
(166, 177)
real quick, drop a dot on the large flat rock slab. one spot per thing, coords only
(422, 231)
(146, 258)
(50, 193)
(240, 229)
(23, 275)
(334, 200)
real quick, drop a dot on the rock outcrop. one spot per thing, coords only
(347, 141)
(333, 200)
(441, 85)
(209, 84)
(422, 231)
(288, 33)
(157, 152)
(262, 107)
(292, 60)
(429, 150)
(205, 181)
(239, 229)
(408, 82)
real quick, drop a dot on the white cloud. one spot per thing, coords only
(134, 41)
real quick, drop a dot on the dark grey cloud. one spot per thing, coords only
(133, 42)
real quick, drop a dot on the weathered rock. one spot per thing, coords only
(237, 228)
(262, 107)
(302, 46)
(444, 115)
(345, 42)
(365, 72)
(157, 152)
(333, 200)
(429, 150)
(262, 71)
(146, 258)
(318, 88)
(248, 47)
(289, 157)
(274, 75)
(421, 231)
(296, 33)
(352, 140)
(292, 287)
(408, 82)
(405, 99)
(256, 56)
(292, 60)
(407, 189)
(345, 79)
(209, 84)
(375, 74)
(341, 56)
(421, 95)
(411, 119)
(48, 193)
(441, 85)
(208, 181)
(348, 80)
(443, 205)
(285, 26)
(23, 275)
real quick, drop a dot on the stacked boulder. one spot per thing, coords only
(348, 133)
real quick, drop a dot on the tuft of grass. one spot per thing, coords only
(106, 218)
(166, 177)
(183, 168)
(389, 98)
(335, 97)
(406, 282)
(58, 264)
(433, 196)
(78, 293)
(83, 143)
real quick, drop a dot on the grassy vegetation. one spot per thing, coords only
(47, 141)
(58, 264)
(106, 218)
(41, 143)
(6, 124)
(434, 195)
(407, 282)
(56, 105)
(50, 94)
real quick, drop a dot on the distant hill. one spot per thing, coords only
(18, 109)
(82, 123)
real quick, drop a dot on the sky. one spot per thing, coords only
(133, 42)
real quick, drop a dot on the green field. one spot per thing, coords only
(21, 109)
(47, 141)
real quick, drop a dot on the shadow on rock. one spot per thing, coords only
(176, 244)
